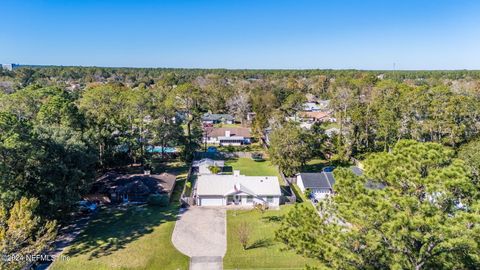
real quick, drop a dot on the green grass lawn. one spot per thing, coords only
(263, 251)
(315, 165)
(136, 238)
(249, 167)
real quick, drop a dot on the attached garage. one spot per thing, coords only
(205, 201)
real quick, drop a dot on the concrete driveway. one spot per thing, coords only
(200, 233)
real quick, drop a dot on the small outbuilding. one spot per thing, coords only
(203, 166)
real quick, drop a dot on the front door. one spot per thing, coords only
(237, 199)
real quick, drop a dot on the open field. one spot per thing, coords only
(135, 238)
(263, 251)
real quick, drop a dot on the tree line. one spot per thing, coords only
(61, 126)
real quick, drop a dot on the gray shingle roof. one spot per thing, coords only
(356, 170)
(318, 180)
(217, 117)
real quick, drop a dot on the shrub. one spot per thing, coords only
(214, 169)
(308, 193)
(158, 199)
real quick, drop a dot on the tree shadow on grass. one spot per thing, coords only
(113, 228)
(274, 219)
(260, 243)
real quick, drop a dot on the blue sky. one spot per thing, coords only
(367, 34)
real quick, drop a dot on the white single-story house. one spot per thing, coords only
(320, 184)
(203, 166)
(236, 189)
(227, 136)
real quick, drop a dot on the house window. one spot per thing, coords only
(269, 199)
(249, 199)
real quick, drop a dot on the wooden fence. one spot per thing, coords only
(187, 199)
(289, 196)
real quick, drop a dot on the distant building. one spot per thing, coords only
(9, 67)
(209, 118)
(227, 136)
(312, 117)
(311, 107)
(317, 106)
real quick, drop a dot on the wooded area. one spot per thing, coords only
(418, 131)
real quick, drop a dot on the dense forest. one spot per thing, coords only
(62, 126)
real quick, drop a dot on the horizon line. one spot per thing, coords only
(239, 69)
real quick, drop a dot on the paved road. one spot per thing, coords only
(200, 233)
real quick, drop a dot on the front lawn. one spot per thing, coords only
(263, 251)
(138, 237)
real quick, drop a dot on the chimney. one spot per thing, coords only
(236, 173)
(227, 133)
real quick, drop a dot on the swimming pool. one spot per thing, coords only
(158, 149)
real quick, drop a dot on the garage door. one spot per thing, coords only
(211, 201)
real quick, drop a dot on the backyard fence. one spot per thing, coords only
(288, 194)
(237, 154)
(186, 198)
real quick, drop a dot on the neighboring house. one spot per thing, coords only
(115, 188)
(356, 170)
(311, 107)
(9, 67)
(203, 166)
(227, 136)
(319, 184)
(312, 117)
(236, 189)
(209, 118)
